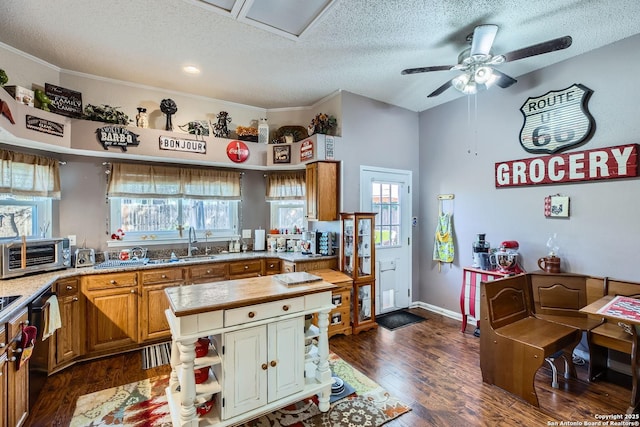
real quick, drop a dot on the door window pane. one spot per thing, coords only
(386, 201)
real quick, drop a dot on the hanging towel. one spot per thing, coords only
(443, 249)
(52, 319)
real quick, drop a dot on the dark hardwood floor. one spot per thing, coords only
(430, 366)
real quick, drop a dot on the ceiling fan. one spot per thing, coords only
(478, 63)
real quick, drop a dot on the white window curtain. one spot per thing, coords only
(286, 186)
(29, 175)
(161, 182)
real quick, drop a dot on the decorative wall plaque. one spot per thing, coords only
(186, 145)
(115, 136)
(237, 151)
(601, 163)
(557, 121)
(65, 102)
(44, 126)
(306, 150)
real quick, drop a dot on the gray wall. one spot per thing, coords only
(599, 238)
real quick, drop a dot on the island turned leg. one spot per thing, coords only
(188, 415)
(324, 372)
(174, 361)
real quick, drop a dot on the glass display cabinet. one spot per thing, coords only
(358, 261)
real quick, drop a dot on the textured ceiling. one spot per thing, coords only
(357, 45)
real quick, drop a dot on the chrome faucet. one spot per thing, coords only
(192, 240)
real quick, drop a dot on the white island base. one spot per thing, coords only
(256, 363)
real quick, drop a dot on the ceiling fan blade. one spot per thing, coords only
(441, 89)
(426, 69)
(504, 81)
(538, 49)
(483, 37)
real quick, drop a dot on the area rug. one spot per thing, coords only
(144, 404)
(398, 319)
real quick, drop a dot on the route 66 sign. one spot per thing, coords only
(557, 120)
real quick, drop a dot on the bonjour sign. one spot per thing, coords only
(602, 163)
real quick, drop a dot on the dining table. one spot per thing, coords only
(624, 311)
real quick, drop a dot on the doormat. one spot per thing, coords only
(144, 404)
(398, 319)
(156, 355)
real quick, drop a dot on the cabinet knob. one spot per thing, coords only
(75, 299)
(164, 276)
(246, 267)
(12, 359)
(133, 291)
(273, 363)
(271, 265)
(2, 345)
(113, 282)
(69, 287)
(252, 314)
(285, 308)
(264, 366)
(26, 322)
(208, 271)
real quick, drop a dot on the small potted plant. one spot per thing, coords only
(323, 123)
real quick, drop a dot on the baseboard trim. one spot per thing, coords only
(455, 315)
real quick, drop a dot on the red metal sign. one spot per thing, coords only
(237, 151)
(306, 150)
(602, 163)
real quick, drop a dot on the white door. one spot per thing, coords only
(286, 358)
(388, 192)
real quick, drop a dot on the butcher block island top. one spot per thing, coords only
(205, 297)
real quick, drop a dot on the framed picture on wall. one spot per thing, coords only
(282, 154)
(556, 206)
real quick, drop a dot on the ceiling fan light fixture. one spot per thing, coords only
(465, 84)
(483, 75)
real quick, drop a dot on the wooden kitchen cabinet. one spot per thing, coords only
(322, 184)
(308, 265)
(246, 269)
(272, 266)
(67, 341)
(17, 376)
(112, 311)
(4, 366)
(214, 272)
(154, 302)
(339, 317)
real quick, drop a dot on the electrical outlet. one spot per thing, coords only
(72, 240)
(246, 234)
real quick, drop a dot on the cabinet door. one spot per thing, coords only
(245, 367)
(68, 337)
(153, 321)
(112, 319)
(3, 390)
(363, 306)
(286, 358)
(17, 376)
(311, 190)
(322, 191)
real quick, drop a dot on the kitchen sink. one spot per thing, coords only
(6, 301)
(183, 259)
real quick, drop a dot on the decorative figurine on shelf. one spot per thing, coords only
(106, 114)
(43, 100)
(142, 121)
(196, 127)
(220, 129)
(3, 77)
(168, 107)
(263, 132)
(322, 123)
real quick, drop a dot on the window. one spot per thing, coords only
(162, 202)
(28, 216)
(386, 202)
(163, 218)
(285, 214)
(285, 192)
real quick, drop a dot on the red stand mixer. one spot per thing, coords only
(507, 258)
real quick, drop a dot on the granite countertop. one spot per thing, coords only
(29, 287)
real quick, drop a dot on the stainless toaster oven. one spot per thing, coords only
(18, 257)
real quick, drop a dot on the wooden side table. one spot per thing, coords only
(470, 293)
(339, 317)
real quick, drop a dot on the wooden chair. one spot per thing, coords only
(514, 343)
(558, 298)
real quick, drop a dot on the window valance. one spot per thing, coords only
(29, 175)
(154, 181)
(286, 185)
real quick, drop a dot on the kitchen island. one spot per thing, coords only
(257, 361)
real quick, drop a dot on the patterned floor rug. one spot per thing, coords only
(143, 404)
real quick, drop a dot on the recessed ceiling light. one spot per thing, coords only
(190, 69)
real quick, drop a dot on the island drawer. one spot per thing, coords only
(252, 313)
(163, 275)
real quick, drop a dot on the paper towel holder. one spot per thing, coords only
(259, 242)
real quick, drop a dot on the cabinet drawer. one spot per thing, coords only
(163, 275)
(272, 266)
(14, 326)
(245, 267)
(110, 281)
(341, 299)
(238, 316)
(209, 272)
(67, 287)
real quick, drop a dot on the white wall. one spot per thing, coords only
(601, 235)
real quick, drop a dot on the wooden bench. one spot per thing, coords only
(514, 343)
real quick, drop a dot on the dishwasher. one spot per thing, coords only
(39, 361)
